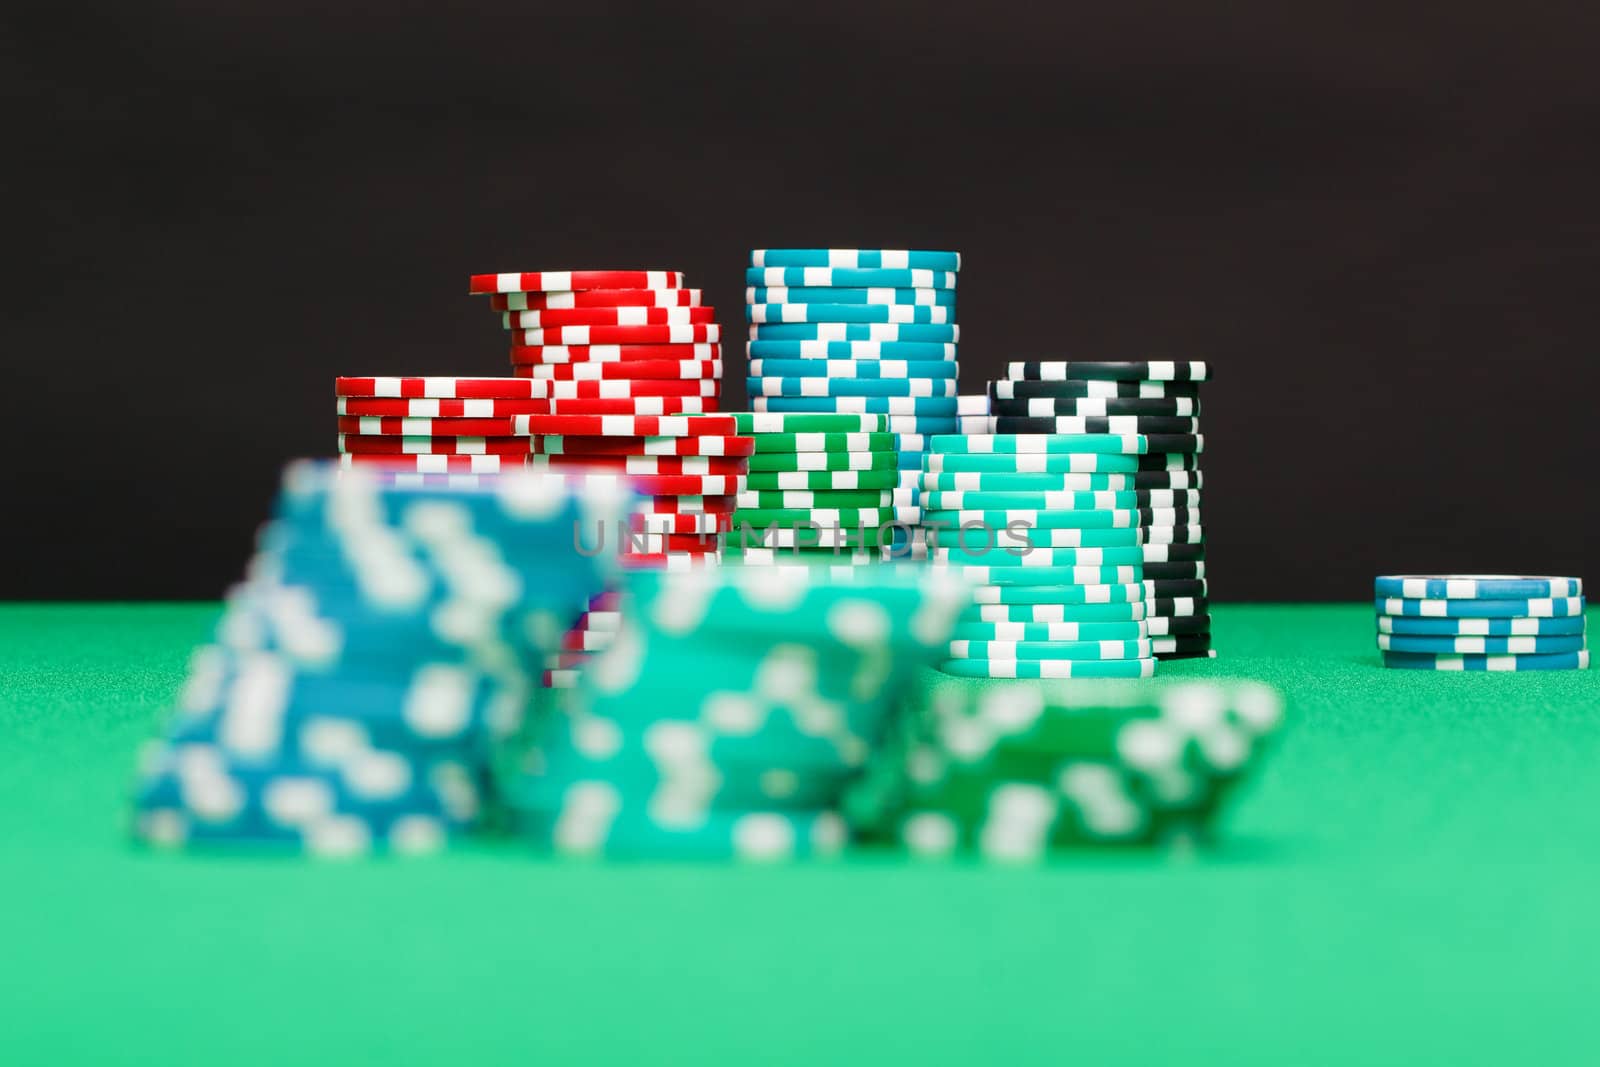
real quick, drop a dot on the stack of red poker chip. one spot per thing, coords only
(648, 355)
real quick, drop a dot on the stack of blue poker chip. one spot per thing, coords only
(870, 331)
(1481, 622)
(1046, 528)
(386, 642)
(732, 711)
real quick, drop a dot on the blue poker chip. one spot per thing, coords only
(1560, 607)
(856, 258)
(1475, 586)
(1522, 627)
(858, 351)
(885, 313)
(1481, 646)
(854, 368)
(835, 387)
(871, 405)
(835, 295)
(1560, 661)
(856, 331)
(850, 277)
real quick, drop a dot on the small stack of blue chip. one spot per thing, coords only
(1481, 622)
(732, 711)
(858, 331)
(386, 639)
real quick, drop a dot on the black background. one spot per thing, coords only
(1381, 231)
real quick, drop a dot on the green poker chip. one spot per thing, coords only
(828, 459)
(782, 422)
(825, 498)
(882, 476)
(803, 444)
(825, 518)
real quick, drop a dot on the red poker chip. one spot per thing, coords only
(514, 425)
(433, 464)
(709, 541)
(595, 405)
(680, 523)
(439, 388)
(596, 298)
(594, 445)
(612, 388)
(578, 640)
(689, 504)
(668, 560)
(631, 425)
(422, 408)
(619, 335)
(563, 280)
(643, 464)
(551, 354)
(378, 445)
(632, 370)
(683, 486)
(543, 318)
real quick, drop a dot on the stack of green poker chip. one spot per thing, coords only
(1145, 398)
(1481, 622)
(1044, 535)
(823, 490)
(1011, 773)
(731, 712)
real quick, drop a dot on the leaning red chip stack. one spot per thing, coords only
(633, 363)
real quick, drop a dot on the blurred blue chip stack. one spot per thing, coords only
(386, 639)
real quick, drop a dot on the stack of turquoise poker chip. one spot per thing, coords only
(1013, 772)
(1046, 528)
(731, 712)
(859, 331)
(1481, 622)
(386, 641)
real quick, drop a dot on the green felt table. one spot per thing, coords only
(1415, 879)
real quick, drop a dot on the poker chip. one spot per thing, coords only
(768, 428)
(834, 456)
(434, 464)
(1563, 661)
(825, 498)
(1164, 571)
(1161, 588)
(821, 387)
(762, 314)
(856, 258)
(1056, 668)
(1059, 499)
(376, 444)
(1476, 587)
(438, 388)
(1041, 575)
(595, 298)
(1099, 519)
(982, 539)
(1173, 535)
(1053, 407)
(623, 370)
(868, 405)
(1178, 625)
(850, 277)
(1120, 372)
(597, 445)
(541, 318)
(853, 351)
(563, 280)
(641, 464)
(1456, 646)
(831, 295)
(1138, 648)
(1013, 773)
(1056, 613)
(1068, 594)
(1148, 425)
(422, 408)
(1014, 633)
(855, 331)
(853, 368)
(1017, 481)
(555, 355)
(823, 481)
(950, 445)
(1499, 627)
(619, 335)
(629, 426)
(1040, 556)
(1506, 608)
(1083, 389)
(1172, 553)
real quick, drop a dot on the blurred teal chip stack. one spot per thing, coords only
(386, 640)
(731, 712)
(1013, 772)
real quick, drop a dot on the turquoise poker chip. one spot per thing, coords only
(1502, 627)
(1059, 668)
(973, 482)
(1074, 593)
(1055, 612)
(826, 387)
(1476, 587)
(1560, 661)
(1063, 499)
(1047, 576)
(853, 368)
(856, 258)
(850, 277)
(1128, 630)
(1481, 609)
(762, 314)
(875, 405)
(1025, 444)
(983, 539)
(856, 331)
(838, 295)
(854, 351)
(593, 824)
(1481, 646)
(1023, 556)
(1137, 648)
(1013, 521)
